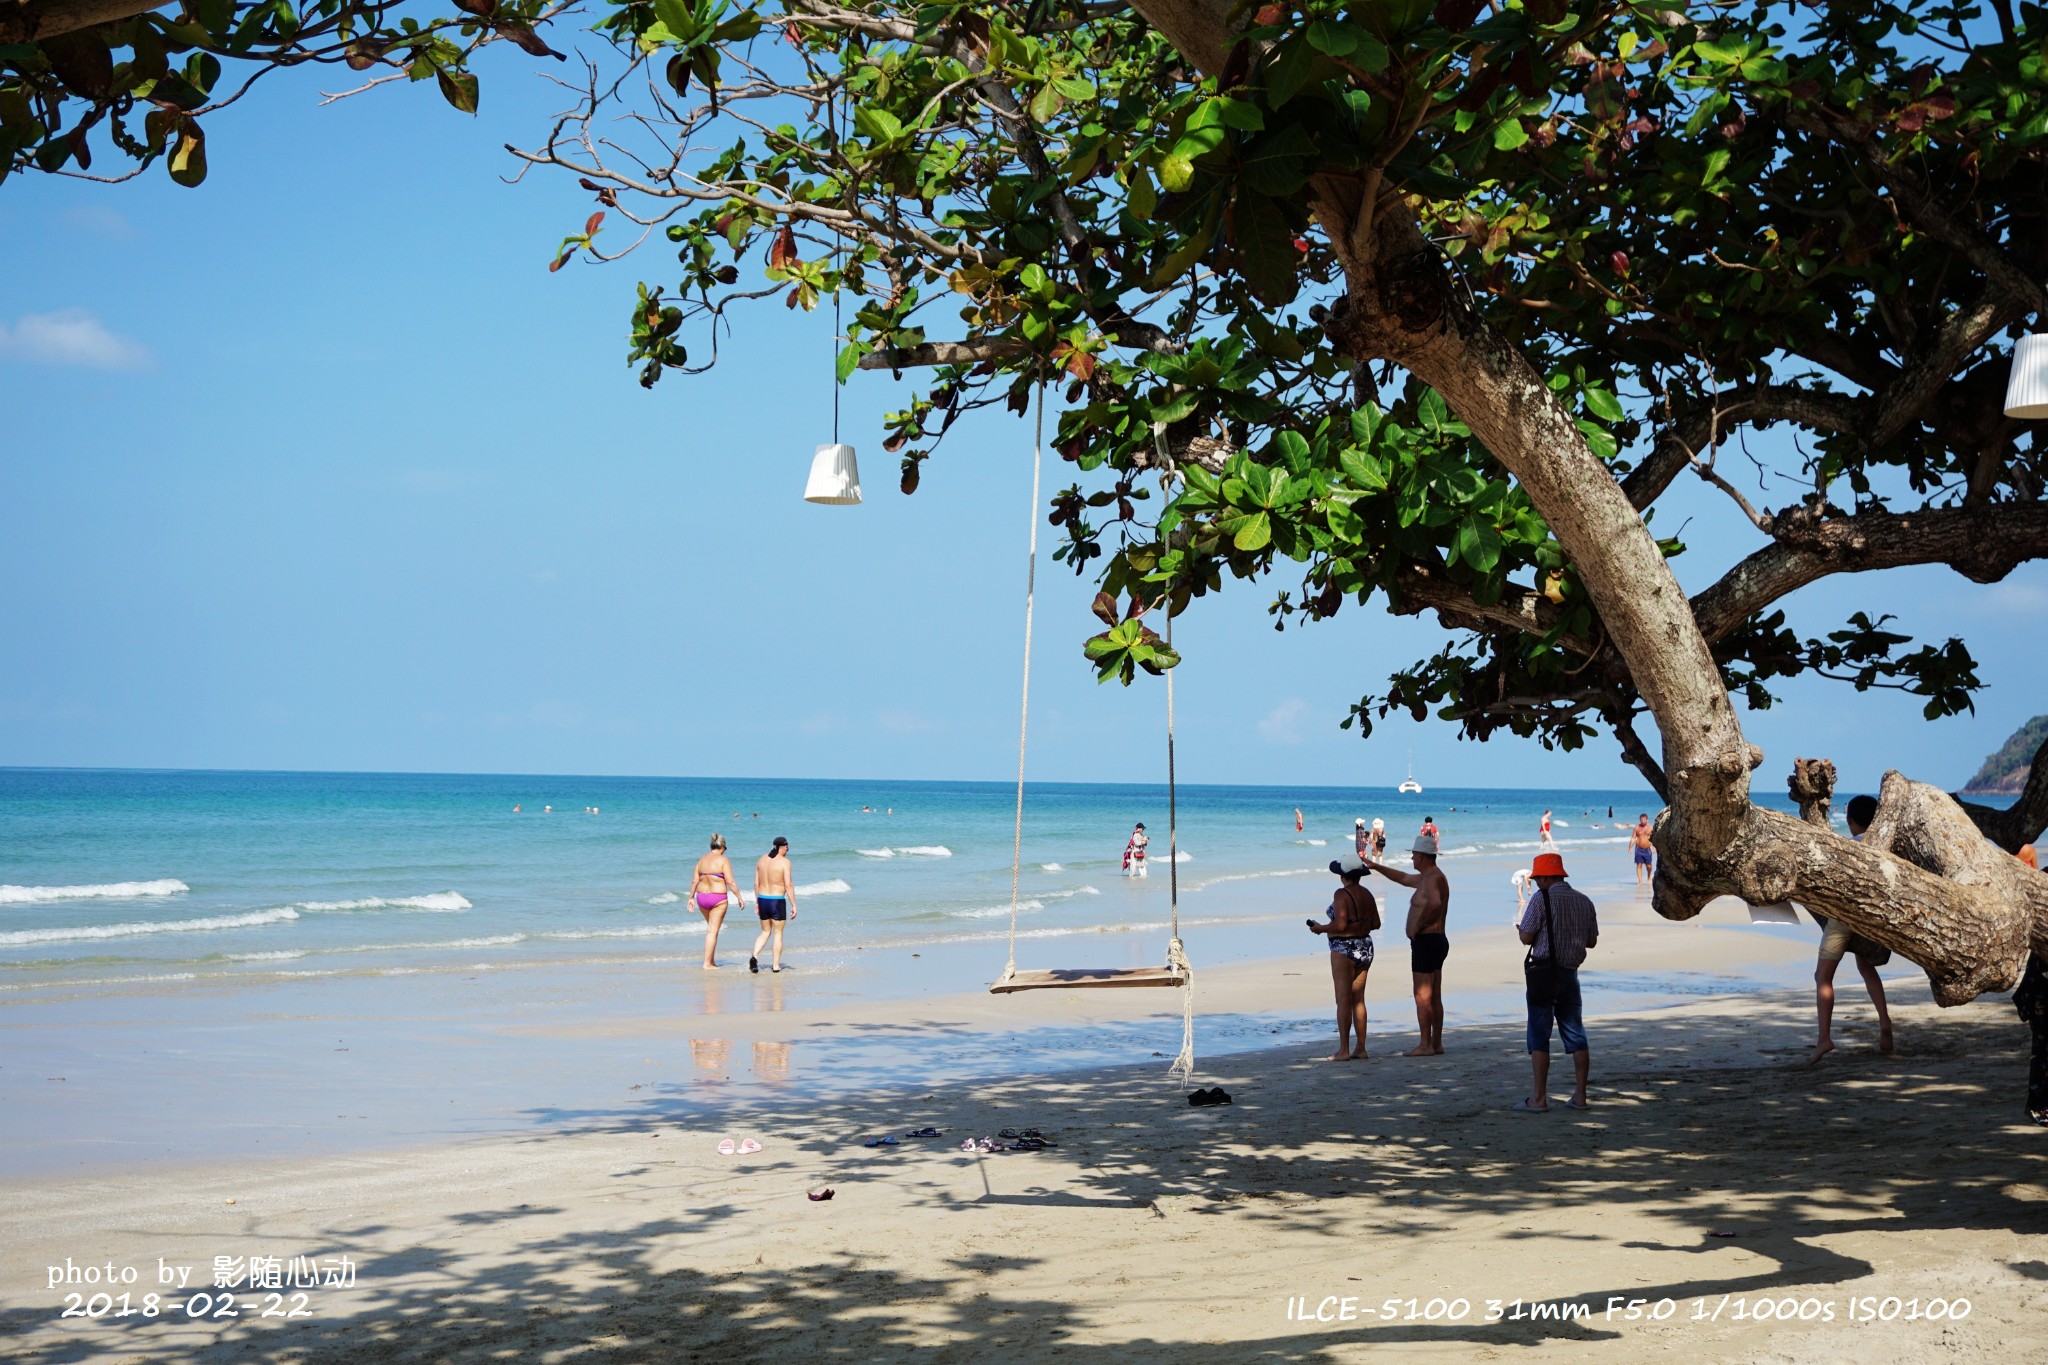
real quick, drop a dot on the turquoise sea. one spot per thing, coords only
(119, 879)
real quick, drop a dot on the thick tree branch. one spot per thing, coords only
(1904, 400)
(1418, 587)
(28, 21)
(1983, 544)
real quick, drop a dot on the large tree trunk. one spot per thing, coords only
(1924, 882)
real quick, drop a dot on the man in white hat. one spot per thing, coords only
(1428, 945)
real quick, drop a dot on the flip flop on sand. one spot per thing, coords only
(1574, 1104)
(726, 1148)
(924, 1133)
(1524, 1107)
(819, 1196)
(1203, 1099)
(884, 1141)
(748, 1147)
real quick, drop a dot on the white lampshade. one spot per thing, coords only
(2026, 392)
(835, 476)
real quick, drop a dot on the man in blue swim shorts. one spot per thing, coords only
(1639, 839)
(774, 902)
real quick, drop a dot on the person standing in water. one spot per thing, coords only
(1644, 854)
(1428, 945)
(1543, 839)
(1134, 852)
(712, 891)
(1297, 819)
(774, 902)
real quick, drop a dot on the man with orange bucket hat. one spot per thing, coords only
(1559, 926)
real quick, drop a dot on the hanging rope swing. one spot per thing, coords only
(1177, 971)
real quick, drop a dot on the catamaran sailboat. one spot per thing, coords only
(1409, 786)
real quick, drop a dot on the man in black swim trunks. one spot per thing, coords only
(1428, 910)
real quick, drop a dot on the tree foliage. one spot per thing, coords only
(1695, 222)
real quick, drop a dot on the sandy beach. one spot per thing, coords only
(1719, 1200)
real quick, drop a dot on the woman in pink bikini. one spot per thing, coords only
(712, 888)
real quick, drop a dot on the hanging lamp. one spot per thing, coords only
(835, 475)
(2026, 392)
(835, 470)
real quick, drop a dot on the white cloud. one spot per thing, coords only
(1283, 724)
(70, 336)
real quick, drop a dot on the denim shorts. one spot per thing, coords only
(1566, 1013)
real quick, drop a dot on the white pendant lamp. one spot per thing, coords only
(2026, 392)
(835, 476)
(835, 473)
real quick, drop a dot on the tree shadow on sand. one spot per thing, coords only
(1413, 1149)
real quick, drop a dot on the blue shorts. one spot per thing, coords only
(1643, 856)
(772, 907)
(1567, 1013)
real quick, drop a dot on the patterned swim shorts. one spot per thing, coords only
(1359, 950)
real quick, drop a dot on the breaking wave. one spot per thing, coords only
(836, 886)
(170, 926)
(31, 895)
(442, 901)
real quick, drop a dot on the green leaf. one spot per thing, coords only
(1293, 450)
(1254, 532)
(1333, 36)
(1510, 135)
(1289, 72)
(1363, 470)
(188, 159)
(1046, 104)
(1176, 172)
(677, 19)
(1265, 249)
(457, 87)
(879, 125)
(1604, 405)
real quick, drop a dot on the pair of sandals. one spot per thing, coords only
(745, 1147)
(1029, 1140)
(1206, 1099)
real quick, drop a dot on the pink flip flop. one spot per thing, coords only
(749, 1147)
(725, 1148)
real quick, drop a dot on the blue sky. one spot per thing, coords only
(317, 467)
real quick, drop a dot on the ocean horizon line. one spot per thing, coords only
(996, 782)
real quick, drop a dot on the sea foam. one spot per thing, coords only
(172, 926)
(834, 887)
(445, 902)
(30, 895)
(665, 898)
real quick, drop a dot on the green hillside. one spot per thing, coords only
(2005, 772)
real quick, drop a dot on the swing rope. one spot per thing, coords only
(1024, 718)
(1183, 1067)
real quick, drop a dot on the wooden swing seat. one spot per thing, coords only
(1064, 978)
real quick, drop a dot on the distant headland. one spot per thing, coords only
(2005, 772)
